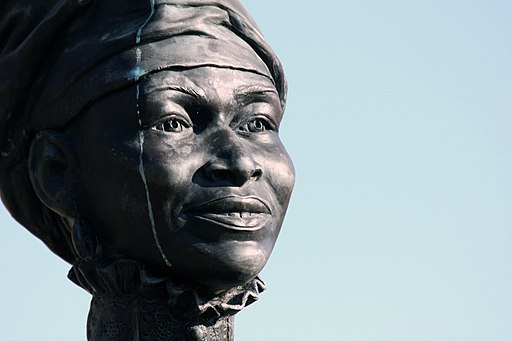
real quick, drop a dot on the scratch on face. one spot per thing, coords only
(138, 73)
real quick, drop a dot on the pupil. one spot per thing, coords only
(172, 125)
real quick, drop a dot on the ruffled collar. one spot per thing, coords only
(122, 278)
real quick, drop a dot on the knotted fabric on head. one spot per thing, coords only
(57, 57)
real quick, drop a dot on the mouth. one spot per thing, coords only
(233, 212)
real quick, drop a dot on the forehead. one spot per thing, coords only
(161, 92)
(207, 83)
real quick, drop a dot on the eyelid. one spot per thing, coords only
(273, 123)
(272, 126)
(185, 119)
(262, 109)
(268, 118)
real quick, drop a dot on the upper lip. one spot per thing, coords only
(231, 203)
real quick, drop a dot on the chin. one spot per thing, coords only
(223, 265)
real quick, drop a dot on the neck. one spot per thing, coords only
(130, 304)
(143, 319)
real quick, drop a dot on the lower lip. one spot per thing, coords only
(248, 222)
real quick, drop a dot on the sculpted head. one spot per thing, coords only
(157, 130)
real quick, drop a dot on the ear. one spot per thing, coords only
(53, 170)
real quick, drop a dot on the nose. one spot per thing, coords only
(232, 163)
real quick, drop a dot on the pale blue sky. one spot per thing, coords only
(400, 226)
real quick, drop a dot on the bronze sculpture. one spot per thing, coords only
(139, 141)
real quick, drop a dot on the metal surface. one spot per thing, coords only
(139, 141)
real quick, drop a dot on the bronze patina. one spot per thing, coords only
(139, 141)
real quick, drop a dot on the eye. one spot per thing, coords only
(256, 125)
(172, 125)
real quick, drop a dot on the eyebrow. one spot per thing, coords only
(253, 91)
(185, 90)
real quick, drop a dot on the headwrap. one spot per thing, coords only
(57, 57)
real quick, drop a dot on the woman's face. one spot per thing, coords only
(186, 173)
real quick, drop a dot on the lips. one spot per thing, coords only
(233, 212)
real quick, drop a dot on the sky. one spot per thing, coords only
(400, 225)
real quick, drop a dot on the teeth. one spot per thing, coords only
(239, 214)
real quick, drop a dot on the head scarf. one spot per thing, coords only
(56, 57)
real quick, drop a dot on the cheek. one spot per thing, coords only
(280, 173)
(169, 169)
(113, 195)
(168, 163)
(112, 170)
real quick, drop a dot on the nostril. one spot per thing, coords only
(218, 172)
(257, 173)
(223, 173)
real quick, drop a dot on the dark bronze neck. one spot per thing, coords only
(136, 318)
(129, 304)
